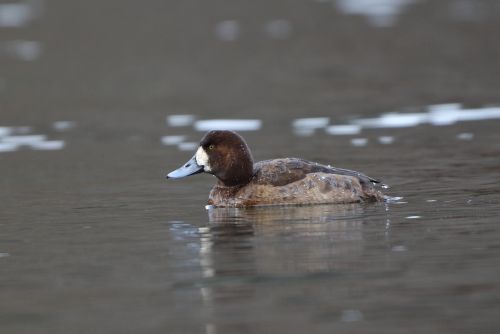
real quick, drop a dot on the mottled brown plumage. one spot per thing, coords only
(296, 182)
(287, 181)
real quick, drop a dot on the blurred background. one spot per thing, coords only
(127, 64)
(100, 99)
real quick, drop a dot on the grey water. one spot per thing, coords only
(106, 98)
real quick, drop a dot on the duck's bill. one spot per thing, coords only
(189, 168)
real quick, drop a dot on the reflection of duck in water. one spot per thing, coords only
(313, 214)
(298, 239)
(243, 253)
(242, 183)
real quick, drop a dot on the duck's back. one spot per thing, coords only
(297, 181)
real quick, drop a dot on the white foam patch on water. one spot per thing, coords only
(14, 138)
(227, 30)
(22, 50)
(439, 115)
(24, 140)
(386, 140)
(20, 14)
(5, 131)
(180, 120)
(380, 13)
(203, 230)
(278, 29)
(228, 124)
(187, 146)
(465, 136)
(63, 125)
(359, 142)
(343, 130)
(392, 199)
(399, 248)
(307, 126)
(48, 145)
(8, 147)
(392, 120)
(311, 123)
(172, 140)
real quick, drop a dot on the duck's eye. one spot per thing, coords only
(211, 147)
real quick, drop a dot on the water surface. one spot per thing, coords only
(93, 115)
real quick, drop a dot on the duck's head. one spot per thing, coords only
(222, 153)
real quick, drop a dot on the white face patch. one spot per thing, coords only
(202, 159)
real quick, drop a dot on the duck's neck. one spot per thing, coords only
(239, 174)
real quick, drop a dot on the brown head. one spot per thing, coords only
(222, 153)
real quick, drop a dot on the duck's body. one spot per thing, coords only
(293, 181)
(288, 181)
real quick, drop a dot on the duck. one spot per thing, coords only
(283, 181)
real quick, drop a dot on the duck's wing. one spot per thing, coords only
(342, 171)
(280, 172)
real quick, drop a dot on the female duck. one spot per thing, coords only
(287, 181)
